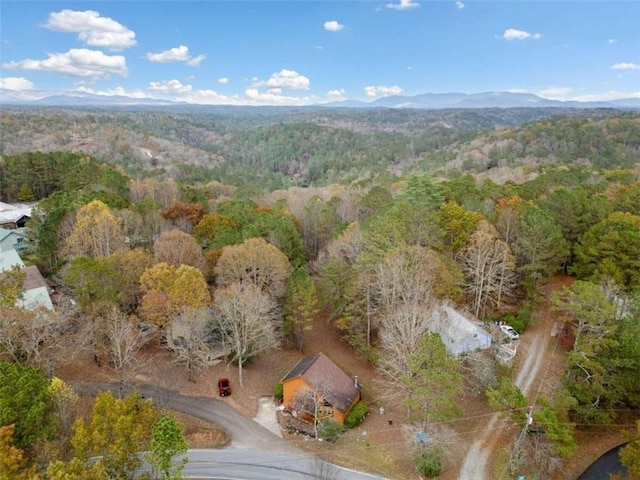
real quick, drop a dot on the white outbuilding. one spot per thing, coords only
(460, 334)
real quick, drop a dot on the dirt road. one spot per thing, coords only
(532, 367)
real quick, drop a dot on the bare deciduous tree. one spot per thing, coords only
(31, 337)
(479, 369)
(399, 335)
(405, 277)
(124, 341)
(188, 338)
(163, 193)
(246, 319)
(507, 221)
(347, 246)
(489, 269)
(404, 282)
(310, 403)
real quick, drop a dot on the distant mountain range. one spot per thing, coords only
(479, 100)
(433, 101)
(72, 99)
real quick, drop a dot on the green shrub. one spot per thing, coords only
(430, 463)
(518, 325)
(278, 392)
(524, 314)
(329, 430)
(356, 415)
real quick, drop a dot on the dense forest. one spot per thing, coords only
(374, 219)
(267, 149)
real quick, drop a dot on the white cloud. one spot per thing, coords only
(333, 26)
(176, 54)
(382, 91)
(287, 79)
(195, 61)
(92, 29)
(554, 93)
(550, 93)
(606, 96)
(403, 5)
(169, 87)
(460, 5)
(255, 97)
(273, 88)
(119, 91)
(611, 41)
(210, 97)
(223, 80)
(626, 66)
(77, 62)
(16, 83)
(513, 34)
(336, 95)
(252, 96)
(567, 94)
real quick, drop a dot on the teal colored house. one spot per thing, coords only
(11, 240)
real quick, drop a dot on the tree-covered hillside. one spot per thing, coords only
(266, 149)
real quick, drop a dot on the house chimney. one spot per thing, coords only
(355, 381)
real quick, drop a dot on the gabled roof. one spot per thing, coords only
(13, 214)
(321, 373)
(33, 278)
(16, 233)
(36, 290)
(8, 259)
(4, 233)
(455, 324)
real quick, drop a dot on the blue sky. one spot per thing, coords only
(302, 52)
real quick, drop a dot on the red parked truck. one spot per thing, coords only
(224, 387)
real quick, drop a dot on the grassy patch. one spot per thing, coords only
(201, 434)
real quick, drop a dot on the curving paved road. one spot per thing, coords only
(244, 432)
(246, 464)
(608, 464)
(255, 452)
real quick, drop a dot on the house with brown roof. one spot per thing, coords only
(36, 290)
(316, 379)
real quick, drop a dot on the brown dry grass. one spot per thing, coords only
(201, 434)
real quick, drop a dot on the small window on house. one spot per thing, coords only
(20, 239)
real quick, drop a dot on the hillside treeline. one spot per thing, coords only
(314, 147)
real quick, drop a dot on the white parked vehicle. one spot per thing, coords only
(510, 332)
